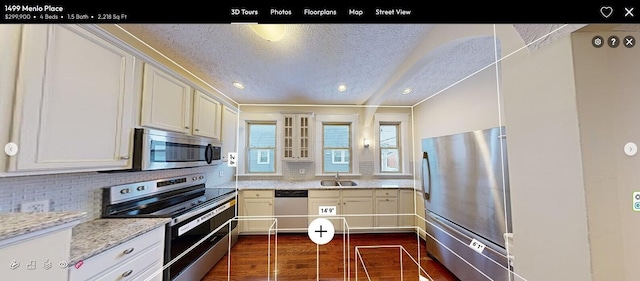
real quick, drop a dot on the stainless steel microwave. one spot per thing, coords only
(156, 150)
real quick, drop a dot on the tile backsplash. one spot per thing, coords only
(83, 191)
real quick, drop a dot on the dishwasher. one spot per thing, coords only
(291, 210)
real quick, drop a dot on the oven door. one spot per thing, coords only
(165, 150)
(192, 250)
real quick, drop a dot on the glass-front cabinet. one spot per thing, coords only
(297, 137)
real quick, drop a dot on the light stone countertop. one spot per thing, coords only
(315, 184)
(96, 236)
(16, 224)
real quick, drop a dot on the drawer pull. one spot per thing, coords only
(128, 251)
(127, 273)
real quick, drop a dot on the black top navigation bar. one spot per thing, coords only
(375, 12)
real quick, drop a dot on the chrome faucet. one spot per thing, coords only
(338, 178)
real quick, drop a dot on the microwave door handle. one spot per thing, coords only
(426, 164)
(208, 154)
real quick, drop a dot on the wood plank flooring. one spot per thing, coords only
(296, 259)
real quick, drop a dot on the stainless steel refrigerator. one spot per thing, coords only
(466, 193)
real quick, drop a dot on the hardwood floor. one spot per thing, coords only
(296, 259)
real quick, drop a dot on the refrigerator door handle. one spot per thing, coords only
(426, 188)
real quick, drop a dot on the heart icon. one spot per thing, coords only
(606, 11)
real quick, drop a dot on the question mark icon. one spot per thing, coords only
(613, 41)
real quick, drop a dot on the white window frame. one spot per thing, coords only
(404, 135)
(243, 129)
(353, 121)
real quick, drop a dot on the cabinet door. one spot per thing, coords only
(384, 207)
(361, 207)
(229, 131)
(166, 101)
(314, 205)
(206, 115)
(297, 137)
(406, 206)
(74, 101)
(259, 208)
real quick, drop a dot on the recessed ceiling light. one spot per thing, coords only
(342, 87)
(406, 91)
(238, 85)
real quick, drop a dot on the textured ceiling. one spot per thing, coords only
(309, 63)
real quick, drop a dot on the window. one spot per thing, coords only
(339, 157)
(390, 159)
(261, 147)
(263, 156)
(336, 148)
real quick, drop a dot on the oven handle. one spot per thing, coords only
(189, 215)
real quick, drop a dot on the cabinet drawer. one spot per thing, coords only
(357, 193)
(258, 194)
(118, 254)
(334, 193)
(134, 268)
(386, 193)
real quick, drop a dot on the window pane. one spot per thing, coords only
(261, 148)
(262, 135)
(258, 163)
(388, 136)
(336, 160)
(390, 160)
(336, 136)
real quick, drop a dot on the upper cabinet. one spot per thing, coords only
(166, 101)
(206, 115)
(297, 137)
(229, 131)
(169, 103)
(74, 101)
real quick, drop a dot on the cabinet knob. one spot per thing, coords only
(127, 273)
(257, 195)
(128, 251)
(124, 157)
(387, 193)
(387, 199)
(197, 130)
(186, 127)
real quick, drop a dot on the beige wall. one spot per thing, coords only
(608, 108)
(547, 195)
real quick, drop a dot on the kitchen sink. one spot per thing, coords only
(337, 183)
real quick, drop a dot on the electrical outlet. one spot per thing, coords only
(301, 171)
(34, 206)
(221, 174)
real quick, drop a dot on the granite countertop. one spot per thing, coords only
(315, 184)
(16, 224)
(96, 236)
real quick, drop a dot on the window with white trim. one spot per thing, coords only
(336, 143)
(390, 157)
(261, 145)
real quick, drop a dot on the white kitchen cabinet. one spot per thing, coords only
(386, 204)
(257, 204)
(140, 258)
(406, 206)
(297, 137)
(74, 101)
(166, 101)
(325, 198)
(206, 115)
(229, 131)
(358, 208)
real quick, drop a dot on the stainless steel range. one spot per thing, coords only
(195, 213)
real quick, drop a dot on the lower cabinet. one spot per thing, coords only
(140, 258)
(387, 208)
(326, 199)
(357, 206)
(257, 207)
